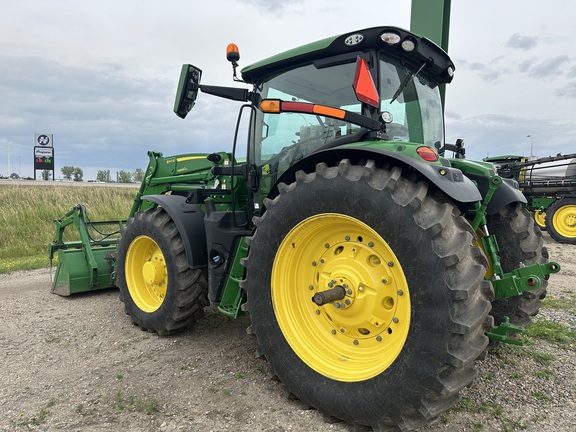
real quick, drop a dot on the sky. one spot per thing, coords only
(101, 76)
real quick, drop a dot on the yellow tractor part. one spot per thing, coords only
(146, 275)
(341, 298)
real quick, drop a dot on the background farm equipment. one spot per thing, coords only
(549, 184)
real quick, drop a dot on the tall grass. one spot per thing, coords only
(27, 214)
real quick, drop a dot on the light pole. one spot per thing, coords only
(531, 145)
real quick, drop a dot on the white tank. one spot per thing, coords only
(550, 177)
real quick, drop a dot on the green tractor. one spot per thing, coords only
(375, 270)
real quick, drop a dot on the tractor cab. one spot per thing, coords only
(377, 87)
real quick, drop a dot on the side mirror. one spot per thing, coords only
(188, 86)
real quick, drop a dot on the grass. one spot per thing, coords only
(27, 214)
(132, 403)
(562, 304)
(552, 332)
(38, 418)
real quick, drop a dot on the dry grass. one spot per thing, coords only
(27, 214)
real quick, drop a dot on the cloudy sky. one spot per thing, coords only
(101, 75)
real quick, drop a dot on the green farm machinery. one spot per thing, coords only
(375, 270)
(549, 185)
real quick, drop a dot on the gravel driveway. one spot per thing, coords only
(78, 364)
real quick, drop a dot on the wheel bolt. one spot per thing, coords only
(384, 281)
(355, 341)
(349, 291)
(379, 338)
(347, 301)
(317, 311)
(342, 330)
(337, 305)
(311, 287)
(395, 319)
(314, 263)
(327, 245)
(371, 244)
(400, 292)
(347, 238)
(390, 264)
(333, 332)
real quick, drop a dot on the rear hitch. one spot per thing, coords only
(522, 279)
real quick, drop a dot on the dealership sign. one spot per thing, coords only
(43, 152)
(43, 158)
(43, 140)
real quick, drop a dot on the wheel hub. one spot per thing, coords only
(366, 308)
(153, 272)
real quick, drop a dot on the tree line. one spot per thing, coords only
(76, 174)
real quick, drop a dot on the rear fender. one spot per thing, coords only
(507, 193)
(449, 180)
(189, 219)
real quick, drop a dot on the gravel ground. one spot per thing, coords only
(78, 364)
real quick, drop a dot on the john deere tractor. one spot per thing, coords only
(374, 269)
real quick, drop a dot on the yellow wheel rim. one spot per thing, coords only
(146, 274)
(564, 221)
(540, 218)
(355, 337)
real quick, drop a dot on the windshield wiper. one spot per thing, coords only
(406, 81)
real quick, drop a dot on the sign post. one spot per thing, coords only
(43, 153)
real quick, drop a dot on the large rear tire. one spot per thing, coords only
(161, 293)
(520, 243)
(397, 345)
(561, 220)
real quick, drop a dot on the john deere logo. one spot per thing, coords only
(43, 140)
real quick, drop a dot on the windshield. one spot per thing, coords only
(280, 140)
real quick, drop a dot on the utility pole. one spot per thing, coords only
(531, 146)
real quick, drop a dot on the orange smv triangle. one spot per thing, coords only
(364, 84)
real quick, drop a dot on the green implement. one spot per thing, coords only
(86, 264)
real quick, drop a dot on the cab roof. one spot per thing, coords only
(438, 63)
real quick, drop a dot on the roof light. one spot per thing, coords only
(408, 45)
(232, 53)
(450, 71)
(390, 38)
(354, 39)
(427, 153)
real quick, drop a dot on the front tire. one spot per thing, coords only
(402, 342)
(161, 293)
